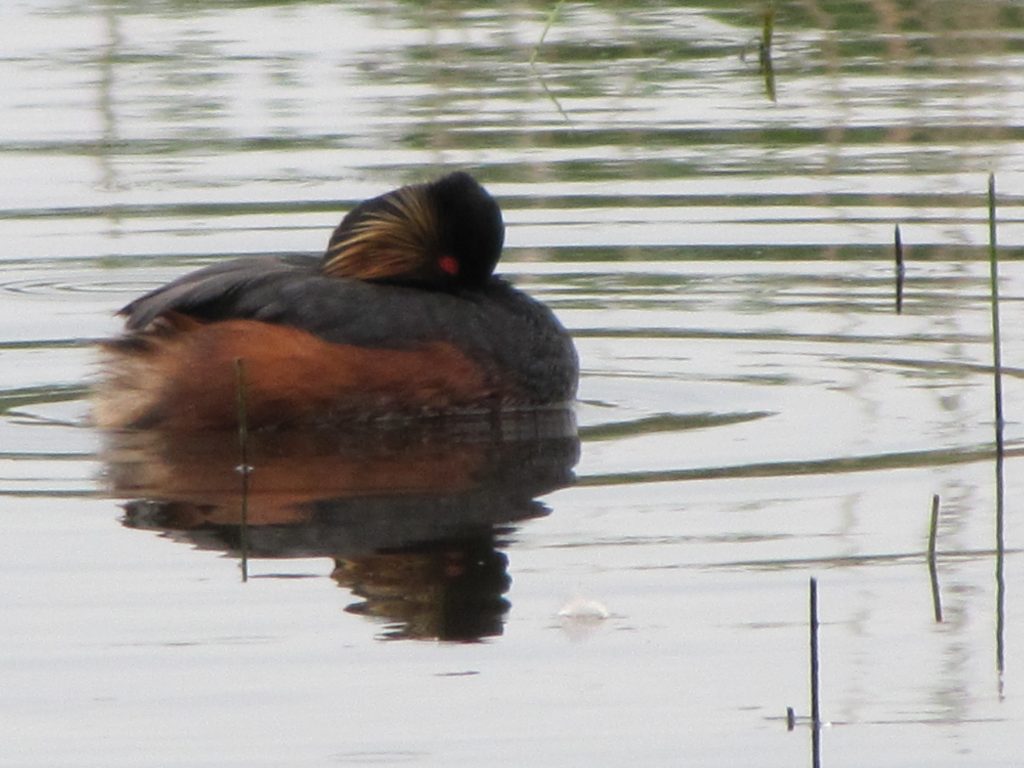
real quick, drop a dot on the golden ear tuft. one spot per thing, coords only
(396, 241)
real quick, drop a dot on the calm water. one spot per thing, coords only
(752, 412)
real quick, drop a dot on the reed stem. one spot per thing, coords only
(764, 52)
(933, 530)
(997, 370)
(997, 355)
(244, 469)
(767, 30)
(933, 568)
(815, 708)
(547, 26)
(815, 680)
(900, 271)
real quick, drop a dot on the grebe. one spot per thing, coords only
(402, 316)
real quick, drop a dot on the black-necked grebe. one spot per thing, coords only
(401, 316)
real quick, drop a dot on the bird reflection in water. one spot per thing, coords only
(414, 517)
(448, 590)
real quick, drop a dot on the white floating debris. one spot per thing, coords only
(584, 609)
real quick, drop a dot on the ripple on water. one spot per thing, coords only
(752, 410)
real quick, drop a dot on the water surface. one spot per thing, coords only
(753, 412)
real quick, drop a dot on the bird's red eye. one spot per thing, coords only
(449, 265)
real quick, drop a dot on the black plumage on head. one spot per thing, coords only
(446, 233)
